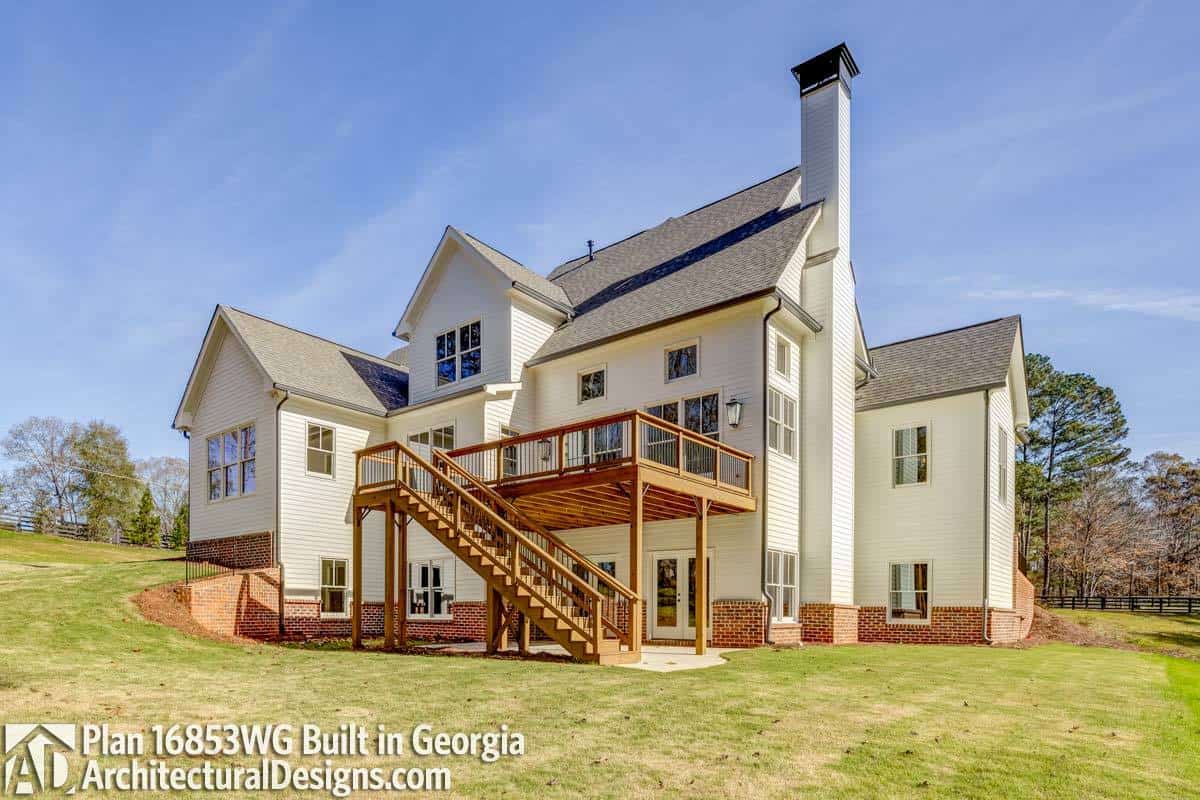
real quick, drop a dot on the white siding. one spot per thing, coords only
(782, 489)
(531, 327)
(1000, 519)
(464, 289)
(235, 394)
(316, 510)
(940, 522)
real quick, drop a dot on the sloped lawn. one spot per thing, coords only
(870, 721)
(1172, 634)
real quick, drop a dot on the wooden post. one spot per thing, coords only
(701, 576)
(356, 606)
(497, 636)
(635, 563)
(389, 577)
(523, 634)
(402, 589)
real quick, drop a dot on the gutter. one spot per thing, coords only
(278, 492)
(763, 503)
(292, 390)
(987, 504)
(541, 298)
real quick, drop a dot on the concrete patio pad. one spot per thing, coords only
(655, 658)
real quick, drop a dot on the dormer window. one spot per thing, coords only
(458, 353)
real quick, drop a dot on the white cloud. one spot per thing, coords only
(1150, 302)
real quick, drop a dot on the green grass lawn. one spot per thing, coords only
(1170, 634)
(35, 549)
(825, 722)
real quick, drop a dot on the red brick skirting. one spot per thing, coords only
(739, 623)
(245, 551)
(236, 603)
(1023, 596)
(786, 633)
(831, 623)
(947, 625)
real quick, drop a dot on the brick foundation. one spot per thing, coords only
(786, 633)
(739, 623)
(245, 551)
(831, 623)
(236, 603)
(947, 625)
(1023, 597)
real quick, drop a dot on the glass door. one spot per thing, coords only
(673, 615)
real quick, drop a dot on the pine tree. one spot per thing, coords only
(145, 525)
(180, 530)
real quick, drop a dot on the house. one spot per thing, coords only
(560, 453)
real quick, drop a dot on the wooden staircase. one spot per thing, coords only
(533, 572)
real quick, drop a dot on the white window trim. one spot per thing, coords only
(795, 586)
(450, 559)
(321, 586)
(785, 373)
(224, 498)
(783, 428)
(458, 353)
(333, 454)
(891, 445)
(928, 562)
(579, 384)
(429, 429)
(1003, 476)
(679, 410)
(667, 356)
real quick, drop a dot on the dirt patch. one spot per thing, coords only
(1050, 627)
(160, 604)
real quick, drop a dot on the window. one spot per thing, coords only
(781, 584)
(591, 385)
(458, 353)
(781, 423)
(231, 463)
(333, 586)
(430, 587)
(510, 457)
(908, 593)
(668, 412)
(1002, 466)
(703, 415)
(683, 361)
(783, 356)
(910, 456)
(320, 450)
(441, 438)
(606, 564)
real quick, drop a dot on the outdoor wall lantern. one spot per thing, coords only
(544, 446)
(733, 412)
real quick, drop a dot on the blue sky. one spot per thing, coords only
(1009, 158)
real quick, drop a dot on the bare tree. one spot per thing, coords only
(167, 477)
(43, 448)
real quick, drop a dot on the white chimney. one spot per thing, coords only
(825, 144)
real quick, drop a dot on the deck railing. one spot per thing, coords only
(632, 437)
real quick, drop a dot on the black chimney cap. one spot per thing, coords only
(820, 70)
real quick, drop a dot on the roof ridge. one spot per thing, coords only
(354, 350)
(476, 239)
(945, 332)
(664, 222)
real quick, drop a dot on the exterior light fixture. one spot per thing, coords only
(544, 447)
(733, 412)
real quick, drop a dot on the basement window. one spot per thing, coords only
(781, 585)
(430, 588)
(910, 456)
(908, 593)
(334, 587)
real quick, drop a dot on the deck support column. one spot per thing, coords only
(523, 633)
(701, 576)
(356, 603)
(635, 561)
(402, 589)
(497, 631)
(389, 577)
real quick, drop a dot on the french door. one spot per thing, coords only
(673, 602)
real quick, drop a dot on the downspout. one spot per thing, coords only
(278, 490)
(987, 503)
(763, 489)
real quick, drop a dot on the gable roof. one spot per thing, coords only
(516, 271)
(952, 362)
(732, 249)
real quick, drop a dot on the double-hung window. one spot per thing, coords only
(781, 423)
(320, 450)
(783, 357)
(231, 463)
(430, 587)
(910, 456)
(781, 584)
(334, 586)
(1005, 452)
(683, 361)
(458, 353)
(908, 592)
(510, 456)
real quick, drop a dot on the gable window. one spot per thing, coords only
(1002, 466)
(908, 592)
(910, 456)
(683, 361)
(702, 414)
(458, 353)
(320, 450)
(781, 423)
(781, 584)
(430, 587)
(232, 466)
(591, 384)
(783, 357)
(334, 586)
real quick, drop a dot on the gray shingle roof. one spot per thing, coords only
(733, 248)
(941, 364)
(517, 271)
(319, 367)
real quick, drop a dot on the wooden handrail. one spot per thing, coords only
(495, 496)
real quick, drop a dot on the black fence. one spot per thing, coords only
(27, 524)
(195, 569)
(1151, 604)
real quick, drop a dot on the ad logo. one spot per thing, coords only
(34, 757)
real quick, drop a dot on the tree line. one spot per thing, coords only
(1091, 521)
(81, 474)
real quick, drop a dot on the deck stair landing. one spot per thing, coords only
(528, 570)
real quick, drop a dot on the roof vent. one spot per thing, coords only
(591, 244)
